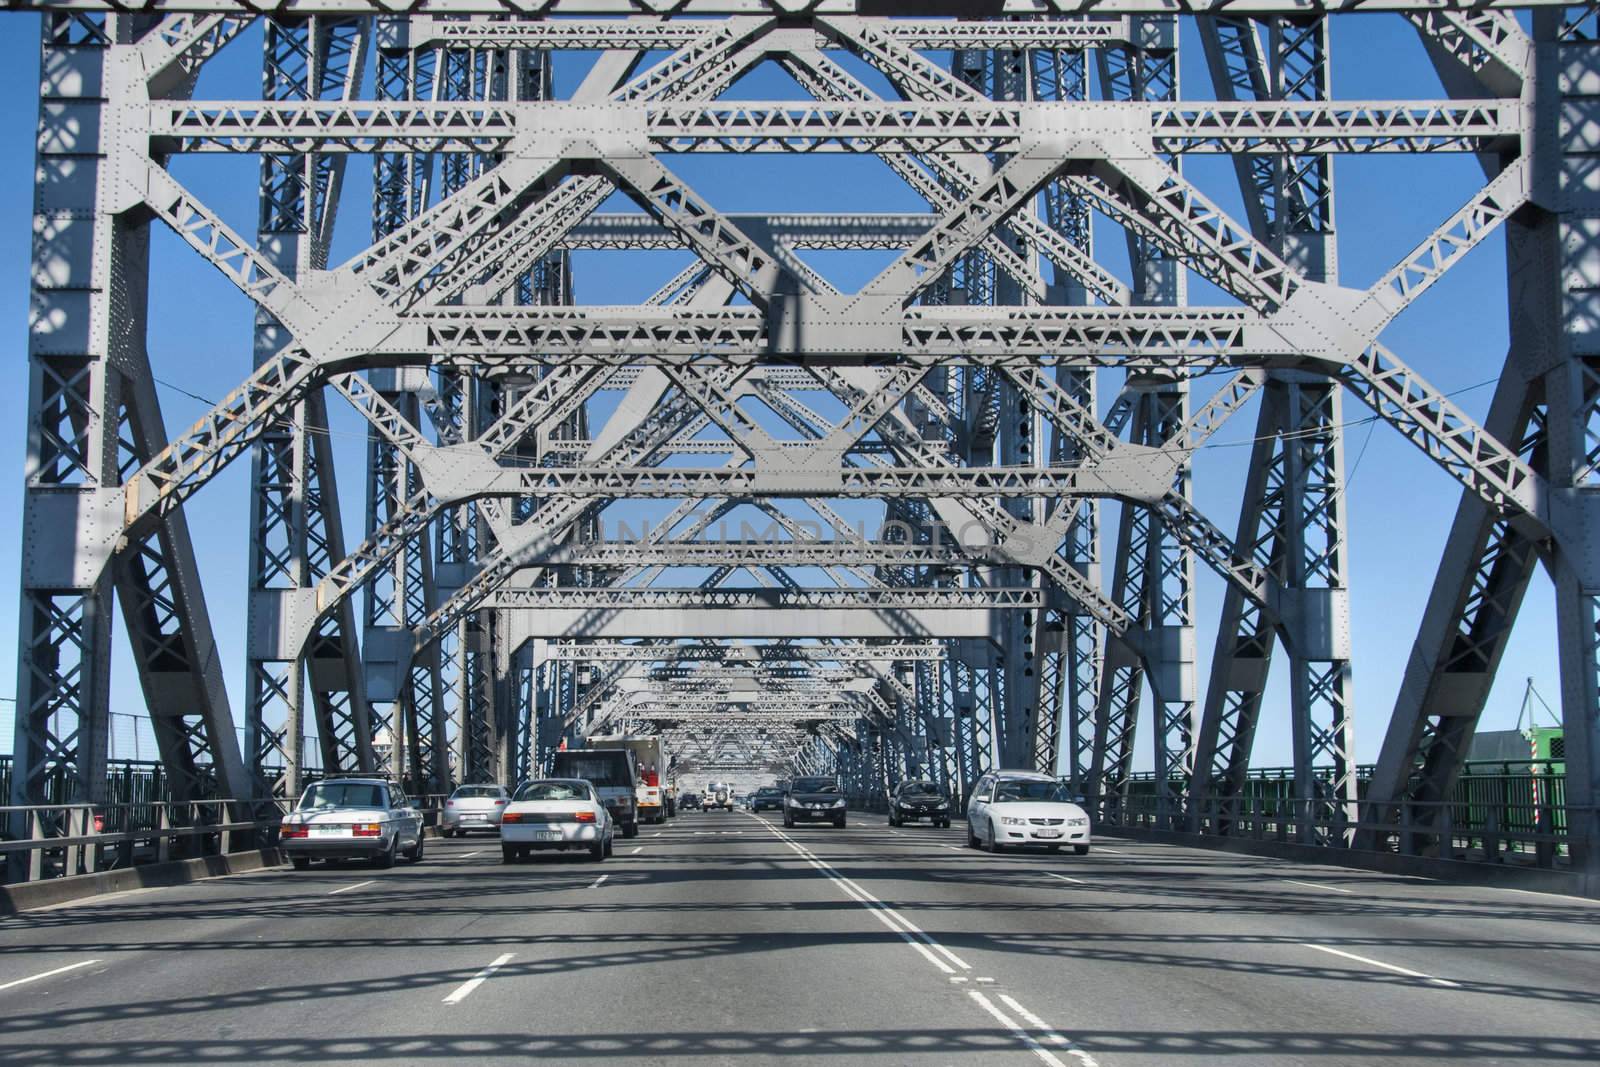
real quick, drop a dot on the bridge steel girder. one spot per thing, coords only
(960, 388)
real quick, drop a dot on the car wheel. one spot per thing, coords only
(788, 823)
(385, 859)
(838, 824)
(414, 855)
(994, 839)
(630, 829)
(1082, 850)
(508, 854)
(597, 851)
(972, 838)
(610, 845)
(301, 863)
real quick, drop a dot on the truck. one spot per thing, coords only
(611, 772)
(650, 758)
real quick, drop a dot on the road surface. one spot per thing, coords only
(723, 939)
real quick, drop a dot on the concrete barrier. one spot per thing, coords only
(25, 896)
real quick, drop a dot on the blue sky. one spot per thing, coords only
(1399, 503)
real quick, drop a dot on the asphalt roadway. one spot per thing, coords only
(723, 939)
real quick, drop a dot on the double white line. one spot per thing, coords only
(931, 950)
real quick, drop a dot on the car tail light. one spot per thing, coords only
(584, 816)
(500, 802)
(511, 816)
(449, 803)
(366, 829)
(295, 831)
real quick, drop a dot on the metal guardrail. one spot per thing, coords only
(1510, 832)
(61, 840)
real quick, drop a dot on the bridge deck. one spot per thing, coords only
(721, 938)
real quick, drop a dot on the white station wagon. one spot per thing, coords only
(352, 818)
(1022, 808)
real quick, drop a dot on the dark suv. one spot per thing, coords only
(918, 799)
(768, 796)
(814, 800)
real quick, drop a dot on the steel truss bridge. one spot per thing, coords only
(988, 392)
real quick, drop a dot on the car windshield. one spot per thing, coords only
(469, 792)
(815, 785)
(1011, 789)
(920, 789)
(552, 791)
(767, 792)
(342, 795)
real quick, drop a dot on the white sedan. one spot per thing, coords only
(1021, 808)
(555, 813)
(352, 818)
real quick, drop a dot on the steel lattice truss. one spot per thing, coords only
(987, 391)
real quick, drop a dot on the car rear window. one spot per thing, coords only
(917, 789)
(468, 792)
(598, 768)
(815, 785)
(552, 791)
(342, 795)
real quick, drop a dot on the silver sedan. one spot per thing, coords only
(473, 807)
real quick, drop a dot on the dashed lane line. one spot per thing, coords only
(358, 885)
(636, 851)
(596, 883)
(48, 974)
(1381, 964)
(465, 989)
(1064, 878)
(469, 855)
(1318, 885)
(1112, 851)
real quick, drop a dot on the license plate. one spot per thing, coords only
(1047, 833)
(327, 831)
(547, 835)
(472, 818)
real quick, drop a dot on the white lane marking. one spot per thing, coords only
(1048, 1034)
(1317, 885)
(596, 883)
(48, 974)
(1064, 878)
(909, 932)
(1380, 963)
(358, 885)
(469, 855)
(1016, 1028)
(636, 851)
(1113, 851)
(1537, 893)
(656, 834)
(477, 980)
(953, 848)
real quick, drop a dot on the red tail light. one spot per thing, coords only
(584, 816)
(511, 816)
(500, 802)
(366, 829)
(295, 831)
(449, 803)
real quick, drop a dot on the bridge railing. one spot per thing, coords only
(1525, 830)
(60, 840)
